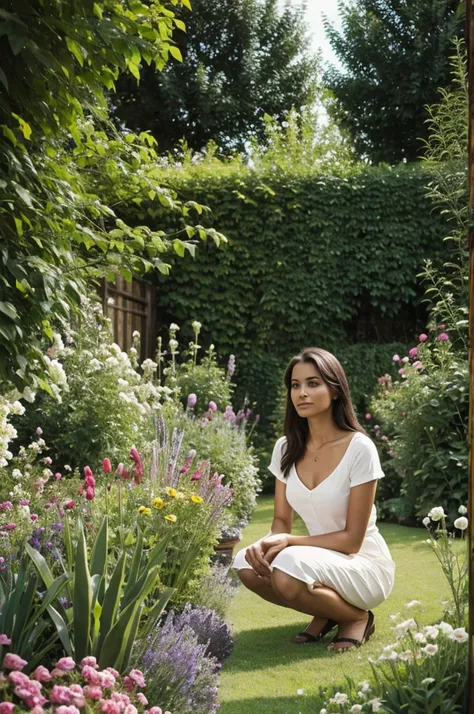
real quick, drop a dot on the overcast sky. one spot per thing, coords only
(314, 13)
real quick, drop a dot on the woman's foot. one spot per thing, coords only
(353, 634)
(316, 630)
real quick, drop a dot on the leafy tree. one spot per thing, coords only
(64, 172)
(395, 56)
(241, 59)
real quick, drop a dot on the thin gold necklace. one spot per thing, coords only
(330, 441)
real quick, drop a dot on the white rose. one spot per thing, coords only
(437, 513)
(364, 686)
(461, 523)
(426, 521)
(29, 395)
(462, 510)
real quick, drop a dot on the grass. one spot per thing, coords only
(266, 669)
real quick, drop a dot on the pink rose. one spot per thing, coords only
(41, 674)
(130, 709)
(422, 337)
(92, 691)
(396, 358)
(69, 505)
(413, 352)
(61, 695)
(401, 371)
(6, 708)
(66, 663)
(142, 699)
(13, 661)
(155, 710)
(137, 676)
(368, 417)
(107, 680)
(106, 466)
(37, 710)
(90, 675)
(89, 662)
(48, 460)
(58, 476)
(67, 710)
(110, 707)
(4, 640)
(212, 406)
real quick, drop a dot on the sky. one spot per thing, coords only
(314, 12)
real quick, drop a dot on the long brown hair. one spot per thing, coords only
(343, 414)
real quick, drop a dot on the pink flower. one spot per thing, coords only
(33, 517)
(423, 337)
(90, 675)
(13, 661)
(106, 466)
(67, 710)
(138, 465)
(39, 430)
(6, 506)
(391, 453)
(89, 481)
(192, 399)
(212, 406)
(413, 352)
(155, 710)
(107, 680)
(90, 493)
(66, 663)
(48, 460)
(89, 662)
(142, 699)
(112, 671)
(61, 695)
(384, 438)
(368, 417)
(197, 476)
(92, 691)
(88, 471)
(110, 707)
(19, 679)
(130, 709)
(78, 695)
(37, 710)
(58, 476)
(120, 469)
(23, 502)
(6, 708)
(10, 526)
(418, 364)
(401, 371)
(396, 358)
(4, 640)
(41, 674)
(443, 337)
(137, 676)
(69, 504)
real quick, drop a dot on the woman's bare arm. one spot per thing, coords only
(283, 512)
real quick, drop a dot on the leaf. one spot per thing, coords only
(9, 310)
(111, 602)
(76, 50)
(18, 225)
(176, 53)
(3, 79)
(99, 550)
(82, 599)
(17, 42)
(178, 247)
(97, 10)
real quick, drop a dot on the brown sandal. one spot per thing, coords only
(368, 632)
(310, 639)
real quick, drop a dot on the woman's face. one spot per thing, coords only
(309, 393)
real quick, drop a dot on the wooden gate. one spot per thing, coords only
(131, 306)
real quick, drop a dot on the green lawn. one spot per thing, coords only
(266, 669)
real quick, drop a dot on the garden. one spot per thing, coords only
(130, 473)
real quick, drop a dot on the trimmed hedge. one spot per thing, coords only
(311, 260)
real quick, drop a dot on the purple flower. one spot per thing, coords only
(209, 629)
(443, 337)
(368, 416)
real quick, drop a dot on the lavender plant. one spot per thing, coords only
(216, 590)
(209, 629)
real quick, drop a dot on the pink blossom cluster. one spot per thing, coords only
(97, 692)
(89, 482)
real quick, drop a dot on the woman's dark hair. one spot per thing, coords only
(296, 427)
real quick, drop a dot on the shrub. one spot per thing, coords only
(209, 629)
(216, 590)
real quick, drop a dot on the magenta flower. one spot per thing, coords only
(368, 416)
(192, 399)
(106, 466)
(413, 352)
(422, 337)
(212, 406)
(4, 640)
(92, 691)
(66, 663)
(6, 708)
(58, 476)
(142, 699)
(13, 661)
(120, 469)
(90, 493)
(88, 471)
(6, 506)
(391, 453)
(443, 337)
(90, 675)
(23, 502)
(197, 476)
(33, 517)
(10, 526)
(138, 465)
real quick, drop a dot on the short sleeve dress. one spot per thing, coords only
(364, 579)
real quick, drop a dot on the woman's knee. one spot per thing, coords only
(285, 586)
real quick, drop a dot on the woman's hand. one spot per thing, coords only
(274, 544)
(254, 556)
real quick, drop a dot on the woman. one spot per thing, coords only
(326, 470)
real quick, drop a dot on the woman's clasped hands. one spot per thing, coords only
(261, 554)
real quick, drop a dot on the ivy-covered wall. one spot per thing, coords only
(311, 260)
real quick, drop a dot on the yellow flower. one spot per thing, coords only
(196, 499)
(171, 518)
(171, 491)
(158, 503)
(146, 511)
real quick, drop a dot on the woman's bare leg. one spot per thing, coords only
(322, 602)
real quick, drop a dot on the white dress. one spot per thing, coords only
(364, 579)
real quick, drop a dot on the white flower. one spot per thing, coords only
(394, 617)
(356, 708)
(112, 362)
(364, 686)
(339, 698)
(323, 711)
(406, 656)
(402, 628)
(376, 704)
(174, 327)
(431, 632)
(420, 638)
(136, 335)
(445, 628)
(18, 408)
(110, 301)
(413, 603)
(427, 680)
(459, 635)
(58, 375)
(149, 364)
(196, 325)
(437, 513)
(173, 345)
(461, 523)
(426, 521)
(16, 474)
(462, 510)
(29, 395)
(300, 692)
(430, 650)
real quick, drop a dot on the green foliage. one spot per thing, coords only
(311, 259)
(240, 60)
(206, 380)
(394, 58)
(65, 172)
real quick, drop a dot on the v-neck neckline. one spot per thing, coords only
(310, 490)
